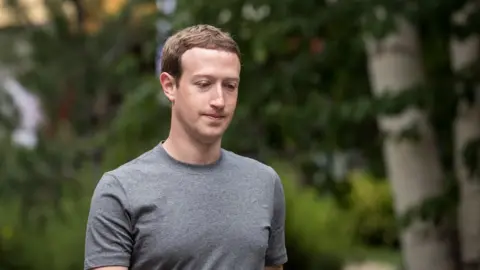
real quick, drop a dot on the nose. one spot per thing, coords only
(218, 100)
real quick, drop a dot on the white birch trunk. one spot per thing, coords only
(413, 167)
(466, 128)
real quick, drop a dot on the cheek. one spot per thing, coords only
(232, 104)
(191, 105)
(232, 101)
(230, 97)
(189, 98)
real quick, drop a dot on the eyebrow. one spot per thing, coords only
(235, 79)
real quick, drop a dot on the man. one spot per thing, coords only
(187, 203)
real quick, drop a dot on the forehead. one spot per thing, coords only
(218, 63)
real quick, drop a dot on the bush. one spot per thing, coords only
(372, 198)
(318, 232)
(56, 242)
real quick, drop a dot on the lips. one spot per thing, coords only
(215, 116)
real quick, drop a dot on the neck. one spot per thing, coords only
(182, 147)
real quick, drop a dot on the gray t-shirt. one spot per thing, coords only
(156, 213)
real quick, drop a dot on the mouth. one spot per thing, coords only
(214, 116)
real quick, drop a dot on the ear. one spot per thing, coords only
(168, 85)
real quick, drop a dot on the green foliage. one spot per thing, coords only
(317, 231)
(79, 75)
(372, 210)
(321, 234)
(40, 249)
(8, 114)
(141, 121)
(328, 221)
(59, 243)
(471, 158)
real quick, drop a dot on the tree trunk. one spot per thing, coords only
(413, 167)
(467, 128)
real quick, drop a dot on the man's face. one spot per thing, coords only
(205, 98)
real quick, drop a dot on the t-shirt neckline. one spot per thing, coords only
(188, 166)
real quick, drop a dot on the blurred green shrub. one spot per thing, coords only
(372, 210)
(318, 232)
(58, 244)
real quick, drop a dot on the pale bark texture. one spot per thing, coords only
(413, 167)
(467, 128)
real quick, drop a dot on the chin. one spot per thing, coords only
(211, 136)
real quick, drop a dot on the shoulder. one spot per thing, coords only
(129, 174)
(251, 165)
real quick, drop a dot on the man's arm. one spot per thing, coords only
(276, 254)
(108, 240)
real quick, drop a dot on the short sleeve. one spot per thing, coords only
(108, 240)
(277, 252)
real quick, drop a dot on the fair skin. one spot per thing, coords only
(203, 104)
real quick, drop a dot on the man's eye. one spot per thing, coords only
(231, 86)
(203, 84)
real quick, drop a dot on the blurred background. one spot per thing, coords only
(368, 110)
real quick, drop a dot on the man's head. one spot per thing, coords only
(200, 76)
